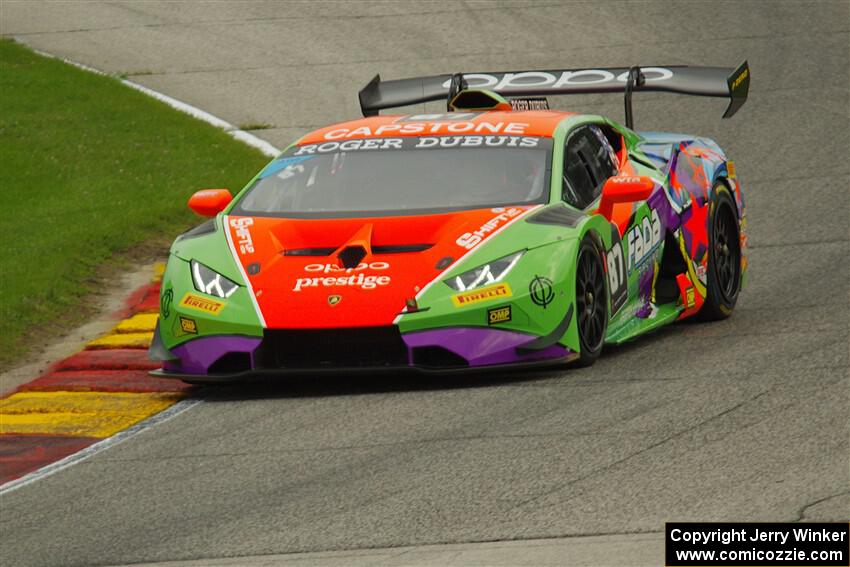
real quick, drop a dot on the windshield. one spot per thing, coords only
(374, 177)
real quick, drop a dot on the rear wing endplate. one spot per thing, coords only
(721, 82)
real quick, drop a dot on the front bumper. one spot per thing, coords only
(229, 357)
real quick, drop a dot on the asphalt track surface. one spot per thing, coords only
(745, 419)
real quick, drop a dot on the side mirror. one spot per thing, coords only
(210, 202)
(623, 189)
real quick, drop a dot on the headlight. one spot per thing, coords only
(211, 282)
(493, 272)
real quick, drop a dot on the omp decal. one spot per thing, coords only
(243, 232)
(542, 291)
(497, 291)
(643, 239)
(499, 315)
(544, 80)
(188, 325)
(470, 240)
(203, 304)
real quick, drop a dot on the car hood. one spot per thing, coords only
(359, 272)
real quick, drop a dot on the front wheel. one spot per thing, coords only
(724, 257)
(591, 302)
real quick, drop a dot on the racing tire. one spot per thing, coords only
(591, 302)
(724, 257)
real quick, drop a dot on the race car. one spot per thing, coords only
(498, 233)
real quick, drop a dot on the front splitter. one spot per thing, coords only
(263, 374)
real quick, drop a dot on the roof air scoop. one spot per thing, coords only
(456, 86)
(479, 100)
(357, 248)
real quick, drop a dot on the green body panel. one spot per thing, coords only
(237, 317)
(549, 255)
(627, 329)
(552, 252)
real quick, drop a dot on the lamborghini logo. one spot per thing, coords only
(334, 299)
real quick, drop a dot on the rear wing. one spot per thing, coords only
(721, 82)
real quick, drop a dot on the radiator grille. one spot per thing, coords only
(329, 348)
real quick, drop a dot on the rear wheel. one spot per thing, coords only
(724, 257)
(591, 302)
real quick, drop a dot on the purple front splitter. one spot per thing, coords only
(198, 355)
(478, 346)
(481, 346)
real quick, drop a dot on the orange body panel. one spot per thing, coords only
(540, 123)
(299, 291)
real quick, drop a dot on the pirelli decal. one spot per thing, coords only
(202, 304)
(497, 291)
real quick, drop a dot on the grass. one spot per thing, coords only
(255, 126)
(90, 171)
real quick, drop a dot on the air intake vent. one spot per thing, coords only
(231, 363)
(385, 249)
(437, 357)
(400, 248)
(351, 256)
(332, 348)
(309, 251)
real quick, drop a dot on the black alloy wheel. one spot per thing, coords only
(724, 260)
(591, 302)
